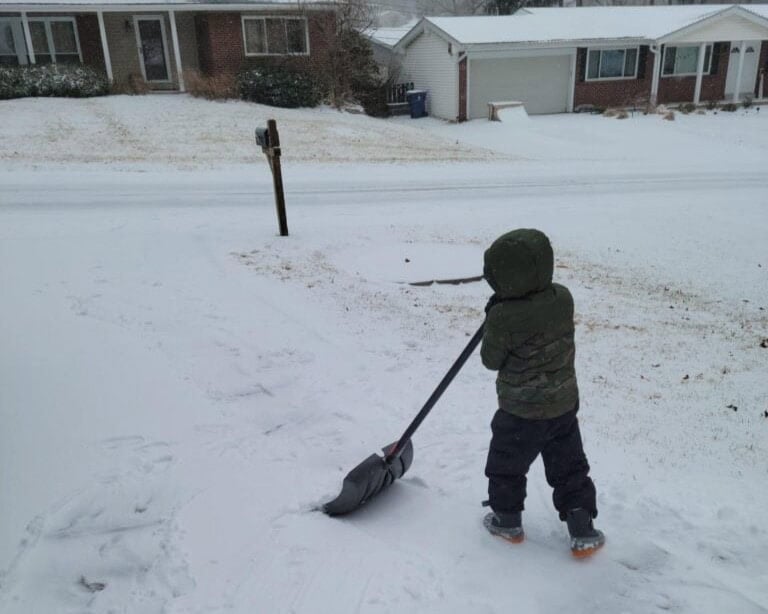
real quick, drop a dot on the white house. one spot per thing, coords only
(556, 60)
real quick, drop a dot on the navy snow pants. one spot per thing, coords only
(515, 444)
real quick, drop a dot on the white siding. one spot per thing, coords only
(429, 65)
(731, 28)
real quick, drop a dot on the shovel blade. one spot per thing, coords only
(368, 479)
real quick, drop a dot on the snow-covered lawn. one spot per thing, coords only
(180, 387)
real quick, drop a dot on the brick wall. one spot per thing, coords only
(616, 93)
(625, 92)
(220, 41)
(221, 47)
(90, 41)
(681, 89)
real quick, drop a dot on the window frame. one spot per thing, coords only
(19, 44)
(707, 65)
(49, 36)
(624, 63)
(263, 19)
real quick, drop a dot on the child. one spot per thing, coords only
(528, 339)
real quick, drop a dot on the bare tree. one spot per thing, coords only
(347, 69)
(454, 7)
(508, 7)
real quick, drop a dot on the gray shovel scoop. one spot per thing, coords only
(376, 472)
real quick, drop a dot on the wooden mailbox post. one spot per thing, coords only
(269, 140)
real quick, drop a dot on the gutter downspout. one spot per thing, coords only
(656, 51)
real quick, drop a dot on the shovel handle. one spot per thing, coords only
(397, 449)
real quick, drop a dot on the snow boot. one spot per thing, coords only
(508, 526)
(585, 539)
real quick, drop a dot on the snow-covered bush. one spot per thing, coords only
(278, 87)
(51, 80)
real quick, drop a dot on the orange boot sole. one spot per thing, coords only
(585, 553)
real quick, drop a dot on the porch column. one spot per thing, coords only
(700, 73)
(742, 51)
(176, 50)
(28, 38)
(105, 46)
(572, 87)
(656, 74)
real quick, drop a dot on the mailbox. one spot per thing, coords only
(262, 137)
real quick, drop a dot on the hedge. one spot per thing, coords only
(51, 80)
(278, 87)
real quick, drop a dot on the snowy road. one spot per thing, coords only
(247, 186)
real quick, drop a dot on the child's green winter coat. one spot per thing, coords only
(529, 328)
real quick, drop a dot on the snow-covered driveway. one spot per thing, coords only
(179, 387)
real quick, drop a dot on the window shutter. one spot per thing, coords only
(642, 60)
(715, 61)
(582, 63)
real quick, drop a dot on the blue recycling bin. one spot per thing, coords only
(417, 101)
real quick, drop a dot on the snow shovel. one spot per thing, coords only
(376, 472)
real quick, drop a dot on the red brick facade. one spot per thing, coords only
(681, 89)
(220, 42)
(627, 92)
(616, 93)
(221, 47)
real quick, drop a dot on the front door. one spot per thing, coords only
(748, 71)
(153, 50)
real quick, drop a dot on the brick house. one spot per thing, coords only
(558, 60)
(161, 41)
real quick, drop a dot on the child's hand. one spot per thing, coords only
(494, 300)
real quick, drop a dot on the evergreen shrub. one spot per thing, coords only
(51, 80)
(278, 87)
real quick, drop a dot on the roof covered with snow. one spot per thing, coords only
(16, 5)
(388, 37)
(582, 23)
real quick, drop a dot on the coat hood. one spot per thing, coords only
(518, 263)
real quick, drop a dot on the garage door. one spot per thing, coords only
(541, 83)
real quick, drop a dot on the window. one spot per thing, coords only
(275, 36)
(679, 61)
(612, 64)
(54, 40)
